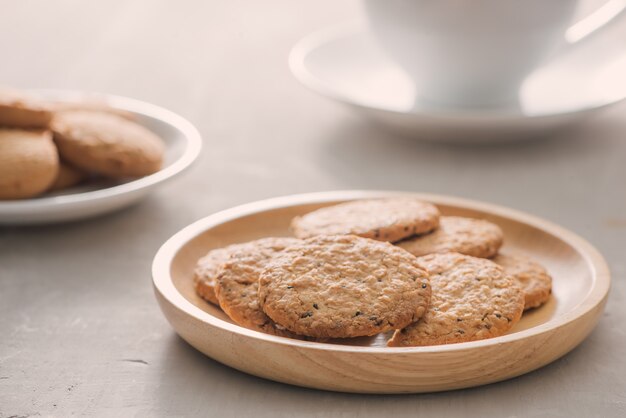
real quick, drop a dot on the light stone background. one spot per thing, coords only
(80, 331)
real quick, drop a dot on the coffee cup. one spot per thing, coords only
(463, 53)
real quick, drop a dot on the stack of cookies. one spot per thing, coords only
(46, 147)
(367, 267)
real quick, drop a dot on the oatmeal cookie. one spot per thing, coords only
(388, 219)
(337, 286)
(473, 299)
(469, 236)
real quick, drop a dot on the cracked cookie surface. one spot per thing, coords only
(472, 299)
(388, 219)
(530, 276)
(237, 283)
(344, 286)
(207, 269)
(469, 236)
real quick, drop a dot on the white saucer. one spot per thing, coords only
(183, 144)
(345, 63)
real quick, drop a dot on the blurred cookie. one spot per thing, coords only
(67, 176)
(530, 276)
(381, 219)
(237, 283)
(107, 144)
(28, 163)
(475, 237)
(19, 110)
(341, 286)
(472, 299)
(93, 106)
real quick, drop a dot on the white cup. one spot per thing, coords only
(476, 53)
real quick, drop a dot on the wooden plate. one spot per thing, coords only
(581, 285)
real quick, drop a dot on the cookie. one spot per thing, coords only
(206, 290)
(472, 299)
(28, 163)
(107, 144)
(530, 276)
(67, 176)
(237, 283)
(381, 219)
(469, 236)
(93, 106)
(208, 267)
(19, 110)
(341, 286)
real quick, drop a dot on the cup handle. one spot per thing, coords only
(609, 12)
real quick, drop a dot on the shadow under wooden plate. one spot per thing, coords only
(580, 288)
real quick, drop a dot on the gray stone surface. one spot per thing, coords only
(80, 331)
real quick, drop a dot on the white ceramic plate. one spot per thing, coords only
(182, 141)
(344, 63)
(580, 287)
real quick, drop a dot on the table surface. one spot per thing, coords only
(81, 333)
